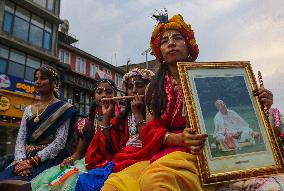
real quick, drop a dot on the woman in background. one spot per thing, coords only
(84, 132)
(45, 129)
(124, 134)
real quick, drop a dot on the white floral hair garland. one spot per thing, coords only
(144, 73)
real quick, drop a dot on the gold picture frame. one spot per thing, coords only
(241, 143)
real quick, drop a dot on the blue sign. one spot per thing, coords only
(16, 84)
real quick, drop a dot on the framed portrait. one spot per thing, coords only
(220, 103)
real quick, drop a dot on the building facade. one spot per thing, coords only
(80, 71)
(28, 40)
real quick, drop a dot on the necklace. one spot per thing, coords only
(98, 118)
(131, 124)
(38, 114)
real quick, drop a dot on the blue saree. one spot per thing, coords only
(43, 133)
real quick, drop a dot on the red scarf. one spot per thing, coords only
(173, 113)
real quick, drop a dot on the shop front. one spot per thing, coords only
(15, 95)
(77, 90)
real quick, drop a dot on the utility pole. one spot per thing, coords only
(115, 59)
(145, 52)
(127, 63)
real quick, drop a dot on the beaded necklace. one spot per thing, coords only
(98, 118)
(131, 124)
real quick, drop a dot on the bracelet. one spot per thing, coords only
(140, 123)
(34, 160)
(166, 137)
(105, 127)
(17, 161)
(70, 159)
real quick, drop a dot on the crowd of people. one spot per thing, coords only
(148, 145)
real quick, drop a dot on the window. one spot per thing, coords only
(107, 74)
(93, 70)
(107, 71)
(87, 109)
(118, 80)
(17, 63)
(82, 109)
(16, 69)
(64, 56)
(36, 35)
(82, 97)
(3, 65)
(17, 56)
(4, 51)
(87, 100)
(26, 26)
(48, 4)
(47, 40)
(80, 65)
(21, 29)
(30, 74)
(7, 24)
(32, 64)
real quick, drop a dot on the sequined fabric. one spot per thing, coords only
(173, 113)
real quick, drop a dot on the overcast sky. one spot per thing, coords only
(250, 30)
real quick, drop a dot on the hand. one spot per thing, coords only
(107, 108)
(23, 166)
(194, 142)
(18, 165)
(67, 161)
(26, 172)
(137, 104)
(265, 96)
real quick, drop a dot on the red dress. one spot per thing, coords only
(152, 134)
(98, 154)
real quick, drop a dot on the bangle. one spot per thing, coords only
(17, 161)
(37, 158)
(105, 127)
(140, 123)
(166, 137)
(34, 160)
(71, 160)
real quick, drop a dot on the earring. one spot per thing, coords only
(56, 91)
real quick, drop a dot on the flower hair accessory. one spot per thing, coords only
(174, 23)
(144, 73)
(278, 122)
(51, 71)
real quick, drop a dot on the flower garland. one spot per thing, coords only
(279, 127)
